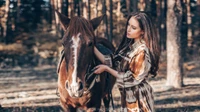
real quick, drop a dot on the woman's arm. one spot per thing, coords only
(112, 72)
(104, 68)
(99, 55)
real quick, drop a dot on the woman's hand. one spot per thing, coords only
(100, 68)
(104, 68)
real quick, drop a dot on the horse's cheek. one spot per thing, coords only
(61, 83)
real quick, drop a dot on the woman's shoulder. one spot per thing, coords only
(140, 44)
(138, 47)
(141, 47)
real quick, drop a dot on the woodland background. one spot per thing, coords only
(30, 43)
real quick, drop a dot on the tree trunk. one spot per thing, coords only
(162, 24)
(184, 31)
(85, 6)
(133, 5)
(5, 19)
(189, 22)
(198, 14)
(148, 5)
(18, 12)
(58, 26)
(1, 31)
(53, 22)
(60, 5)
(79, 8)
(174, 60)
(50, 12)
(2, 13)
(76, 7)
(105, 20)
(128, 6)
(111, 22)
(89, 12)
(55, 4)
(118, 15)
(153, 9)
(71, 8)
(96, 10)
(66, 8)
(123, 8)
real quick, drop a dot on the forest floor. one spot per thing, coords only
(34, 90)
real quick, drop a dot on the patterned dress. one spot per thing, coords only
(134, 67)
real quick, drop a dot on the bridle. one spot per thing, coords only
(89, 76)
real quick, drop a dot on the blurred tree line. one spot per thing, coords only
(18, 16)
(31, 24)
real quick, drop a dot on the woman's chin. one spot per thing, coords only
(128, 37)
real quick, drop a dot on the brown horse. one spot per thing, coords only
(77, 85)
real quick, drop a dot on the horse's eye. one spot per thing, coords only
(90, 44)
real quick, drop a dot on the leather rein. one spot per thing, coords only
(88, 76)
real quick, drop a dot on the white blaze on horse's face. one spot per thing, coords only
(75, 54)
(74, 88)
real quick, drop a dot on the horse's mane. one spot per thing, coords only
(79, 25)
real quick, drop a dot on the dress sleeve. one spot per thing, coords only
(108, 60)
(139, 67)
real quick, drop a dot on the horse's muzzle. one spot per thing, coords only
(75, 89)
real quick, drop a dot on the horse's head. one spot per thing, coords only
(78, 42)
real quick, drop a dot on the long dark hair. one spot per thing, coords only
(150, 37)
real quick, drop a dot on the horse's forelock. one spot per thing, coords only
(79, 25)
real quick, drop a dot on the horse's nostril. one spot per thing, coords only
(80, 86)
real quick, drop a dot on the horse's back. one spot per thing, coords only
(106, 43)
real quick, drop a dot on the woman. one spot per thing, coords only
(136, 57)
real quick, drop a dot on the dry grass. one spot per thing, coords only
(34, 90)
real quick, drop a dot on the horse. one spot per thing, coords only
(78, 86)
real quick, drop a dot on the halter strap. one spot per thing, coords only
(88, 76)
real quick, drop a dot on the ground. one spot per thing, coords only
(34, 90)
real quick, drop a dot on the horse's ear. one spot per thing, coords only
(64, 21)
(96, 21)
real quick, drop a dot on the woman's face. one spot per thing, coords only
(133, 29)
